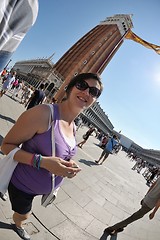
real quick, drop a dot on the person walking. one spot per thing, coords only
(32, 134)
(154, 172)
(8, 83)
(78, 122)
(25, 94)
(16, 90)
(112, 142)
(104, 141)
(3, 73)
(85, 137)
(150, 201)
(16, 82)
(37, 97)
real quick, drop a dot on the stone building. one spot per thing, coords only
(37, 71)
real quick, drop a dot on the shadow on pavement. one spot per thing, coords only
(7, 118)
(1, 139)
(5, 225)
(88, 163)
(97, 144)
(106, 236)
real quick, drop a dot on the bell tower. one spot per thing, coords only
(94, 50)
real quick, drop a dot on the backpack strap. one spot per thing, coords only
(112, 143)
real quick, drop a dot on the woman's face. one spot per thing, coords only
(83, 99)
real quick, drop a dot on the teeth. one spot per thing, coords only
(82, 99)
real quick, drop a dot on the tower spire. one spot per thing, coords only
(50, 58)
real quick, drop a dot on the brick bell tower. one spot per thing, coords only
(94, 50)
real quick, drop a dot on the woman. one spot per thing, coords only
(8, 83)
(37, 97)
(86, 136)
(36, 164)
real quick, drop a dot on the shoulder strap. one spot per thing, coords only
(112, 143)
(52, 125)
(49, 198)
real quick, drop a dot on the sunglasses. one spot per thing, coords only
(83, 85)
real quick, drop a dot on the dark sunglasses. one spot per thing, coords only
(83, 85)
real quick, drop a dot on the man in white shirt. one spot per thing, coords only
(16, 18)
(150, 201)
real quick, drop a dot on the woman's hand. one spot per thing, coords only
(73, 165)
(60, 167)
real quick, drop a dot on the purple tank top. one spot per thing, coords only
(34, 181)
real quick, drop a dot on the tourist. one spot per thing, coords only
(150, 201)
(32, 134)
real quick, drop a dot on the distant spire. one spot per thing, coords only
(50, 58)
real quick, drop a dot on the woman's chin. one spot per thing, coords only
(82, 104)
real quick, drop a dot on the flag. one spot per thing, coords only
(134, 37)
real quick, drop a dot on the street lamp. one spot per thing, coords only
(7, 64)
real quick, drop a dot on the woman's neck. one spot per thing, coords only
(67, 112)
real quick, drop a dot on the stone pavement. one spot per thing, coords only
(100, 195)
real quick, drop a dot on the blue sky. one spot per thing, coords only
(131, 95)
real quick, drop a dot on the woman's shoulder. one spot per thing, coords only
(39, 114)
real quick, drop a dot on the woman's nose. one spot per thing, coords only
(87, 91)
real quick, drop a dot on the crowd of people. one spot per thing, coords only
(21, 91)
(10, 83)
(148, 170)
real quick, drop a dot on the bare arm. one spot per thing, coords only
(152, 214)
(30, 123)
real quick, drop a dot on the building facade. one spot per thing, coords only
(37, 71)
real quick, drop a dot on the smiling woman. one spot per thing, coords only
(87, 88)
(35, 158)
